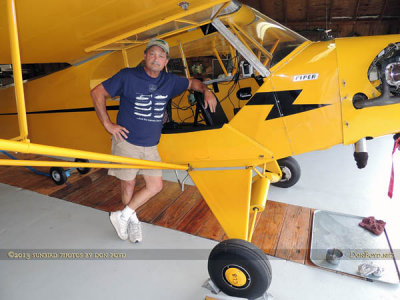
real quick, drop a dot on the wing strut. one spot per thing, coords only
(17, 71)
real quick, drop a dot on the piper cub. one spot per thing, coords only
(278, 93)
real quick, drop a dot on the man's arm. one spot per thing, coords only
(99, 95)
(209, 98)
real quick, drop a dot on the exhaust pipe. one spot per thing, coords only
(361, 101)
(361, 153)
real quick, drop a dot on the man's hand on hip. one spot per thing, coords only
(119, 133)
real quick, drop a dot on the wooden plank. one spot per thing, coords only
(159, 203)
(308, 261)
(80, 186)
(293, 240)
(4, 170)
(94, 193)
(211, 229)
(25, 178)
(80, 183)
(192, 221)
(19, 176)
(174, 214)
(112, 200)
(22, 177)
(268, 229)
(112, 203)
(88, 194)
(281, 230)
(46, 187)
(40, 184)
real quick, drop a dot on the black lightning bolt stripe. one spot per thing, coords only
(283, 103)
(111, 107)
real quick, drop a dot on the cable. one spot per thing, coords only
(235, 79)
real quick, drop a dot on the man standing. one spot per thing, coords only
(144, 93)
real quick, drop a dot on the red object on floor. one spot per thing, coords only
(373, 225)
(391, 183)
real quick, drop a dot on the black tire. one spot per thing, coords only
(58, 175)
(290, 172)
(82, 170)
(240, 269)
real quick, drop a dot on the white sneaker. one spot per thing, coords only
(120, 225)
(135, 231)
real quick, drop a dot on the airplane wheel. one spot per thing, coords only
(240, 269)
(82, 170)
(58, 175)
(290, 172)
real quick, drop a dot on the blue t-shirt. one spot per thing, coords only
(142, 102)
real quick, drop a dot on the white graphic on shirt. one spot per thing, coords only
(143, 97)
(144, 104)
(142, 115)
(149, 107)
(161, 97)
(142, 108)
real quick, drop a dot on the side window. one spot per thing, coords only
(29, 72)
(200, 67)
(212, 60)
(207, 68)
(209, 58)
(204, 68)
(175, 66)
(215, 61)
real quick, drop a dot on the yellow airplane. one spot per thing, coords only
(279, 95)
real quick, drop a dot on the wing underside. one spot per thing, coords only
(68, 30)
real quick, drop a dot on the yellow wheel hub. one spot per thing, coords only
(235, 277)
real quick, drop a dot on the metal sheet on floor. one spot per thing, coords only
(340, 231)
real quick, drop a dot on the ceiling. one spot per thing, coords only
(343, 17)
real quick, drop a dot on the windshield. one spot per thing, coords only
(275, 38)
(213, 57)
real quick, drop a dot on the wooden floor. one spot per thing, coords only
(282, 230)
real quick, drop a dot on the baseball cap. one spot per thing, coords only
(160, 43)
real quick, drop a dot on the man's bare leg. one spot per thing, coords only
(127, 189)
(120, 219)
(153, 186)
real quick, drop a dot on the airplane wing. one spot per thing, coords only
(66, 30)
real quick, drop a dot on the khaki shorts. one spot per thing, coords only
(127, 149)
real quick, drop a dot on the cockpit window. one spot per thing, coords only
(275, 38)
(209, 58)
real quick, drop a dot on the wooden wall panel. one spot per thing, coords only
(296, 10)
